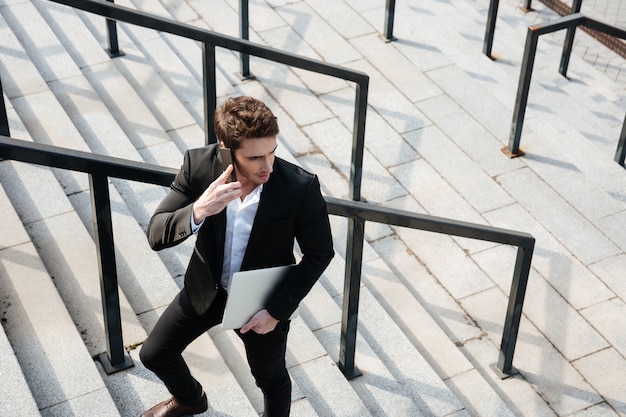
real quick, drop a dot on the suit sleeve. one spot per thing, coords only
(170, 224)
(312, 231)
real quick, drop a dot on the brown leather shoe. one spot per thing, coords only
(172, 408)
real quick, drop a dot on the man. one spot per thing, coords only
(246, 224)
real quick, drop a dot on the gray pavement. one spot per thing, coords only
(439, 112)
(602, 58)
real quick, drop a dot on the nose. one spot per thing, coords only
(267, 165)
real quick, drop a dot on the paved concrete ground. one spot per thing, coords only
(612, 12)
(439, 112)
(437, 118)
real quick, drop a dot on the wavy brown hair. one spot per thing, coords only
(241, 118)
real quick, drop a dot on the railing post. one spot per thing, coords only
(358, 141)
(523, 88)
(620, 153)
(527, 7)
(568, 44)
(490, 27)
(116, 358)
(514, 310)
(114, 48)
(209, 82)
(390, 13)
(4, 118)
(244, 33)
(354, 245)
(351, 294)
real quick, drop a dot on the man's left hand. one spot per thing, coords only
(261, 323)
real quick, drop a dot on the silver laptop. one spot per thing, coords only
(249, 293)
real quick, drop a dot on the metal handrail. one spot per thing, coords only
(4, 119)
(490, 30)
(244, 33)
(100, 168)
(210, 40)
(114, 48)
(569, 22)
(390, 14)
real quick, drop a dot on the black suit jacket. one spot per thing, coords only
(291, 207)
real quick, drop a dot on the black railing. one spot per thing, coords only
(114, 48)
(390, 14)
(490, 30)
(4, 118)
(569, 22)
(524, 242)
(210, 40)
(244, 33)
(100, 168)
(490, 27)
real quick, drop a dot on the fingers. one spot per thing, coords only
(261, 323)
(253, 324)
(216, 197)
(245, 328)
(229, 192)
(223, 179)
(224, 191)
(224, 176)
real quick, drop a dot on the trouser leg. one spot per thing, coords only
(177, 327)
(266, 357)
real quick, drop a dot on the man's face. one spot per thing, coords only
(255, 159)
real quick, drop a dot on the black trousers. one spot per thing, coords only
(179, 325)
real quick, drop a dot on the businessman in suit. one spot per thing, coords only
(246, 224)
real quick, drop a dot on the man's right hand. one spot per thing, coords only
(216, 197)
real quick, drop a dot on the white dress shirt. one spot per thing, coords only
(239, 219)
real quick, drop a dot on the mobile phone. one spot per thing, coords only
(227, 157)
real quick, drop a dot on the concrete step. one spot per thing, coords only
(64, 89)
(144, 265)
(318, 142)
(169, 65)
(74, 272)
(417, 116)
(460, 83)
(397, 379)
(494, 165)
(17, 395)
(584, 89)
(448, 31)
(58, 369)
(239, 360)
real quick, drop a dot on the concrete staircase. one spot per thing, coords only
(432, 306)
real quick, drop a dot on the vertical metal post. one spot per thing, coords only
(351, 293)
(244, 33)
(530, 49)
(358, 140)
(114, 48)
(390, 13)
(568, 43)
(4, 118)
(490, 28)
(116, 358)
(527, 7)
(209, 82)
(514, 310)
(354, 245)
(620, 153)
